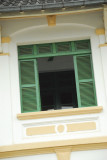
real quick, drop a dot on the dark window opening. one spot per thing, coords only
(57, 83)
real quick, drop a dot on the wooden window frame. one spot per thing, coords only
(73, 51)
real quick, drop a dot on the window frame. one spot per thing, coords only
(73, 51)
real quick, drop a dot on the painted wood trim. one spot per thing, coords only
(103, 45)
(4, 54)
(58, 113)
(51, 20)
(41, 14)
(52, 146)
(100, 31)
(81, 126)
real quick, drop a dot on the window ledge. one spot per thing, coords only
(59, 113)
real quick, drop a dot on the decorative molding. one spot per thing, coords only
(4, 54)
(5, 40)
(53, 146)
(103, 45)
(58, 113)
(74, 127)
(60, 128)
(100, 31)
(81, 126)
(40, 130)
(51, 20)
(63, 154)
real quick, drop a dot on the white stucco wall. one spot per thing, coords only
(33, 31)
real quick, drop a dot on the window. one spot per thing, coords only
(56, 76)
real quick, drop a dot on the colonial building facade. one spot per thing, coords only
(53, 80)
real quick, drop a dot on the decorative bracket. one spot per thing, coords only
(51, 20)
(63, 154)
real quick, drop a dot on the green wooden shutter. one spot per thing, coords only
(30, 100)
(85, 81)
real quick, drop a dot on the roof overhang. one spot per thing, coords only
(43, 13)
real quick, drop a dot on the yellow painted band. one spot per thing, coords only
(103, 45)
(42, 130)
(81, 126)
(4, 54)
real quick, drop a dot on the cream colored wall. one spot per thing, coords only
(36, 30)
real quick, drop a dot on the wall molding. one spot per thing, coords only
(52, 146)
(51, 129)
(58, 113)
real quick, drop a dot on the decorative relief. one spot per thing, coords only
(61, 128)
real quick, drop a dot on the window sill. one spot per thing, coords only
(59, 113)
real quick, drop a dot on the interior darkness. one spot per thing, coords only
(57, 83)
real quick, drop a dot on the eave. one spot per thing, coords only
(39, 13)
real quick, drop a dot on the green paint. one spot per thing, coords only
(79, 49)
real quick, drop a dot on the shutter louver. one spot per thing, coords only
(28, 86)
(82, 45)
(87, 94)
(44, 49)
(85, 81)
(84, 65)
(63, 47)
(27, 72)
(25, 50)
(29, 99)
